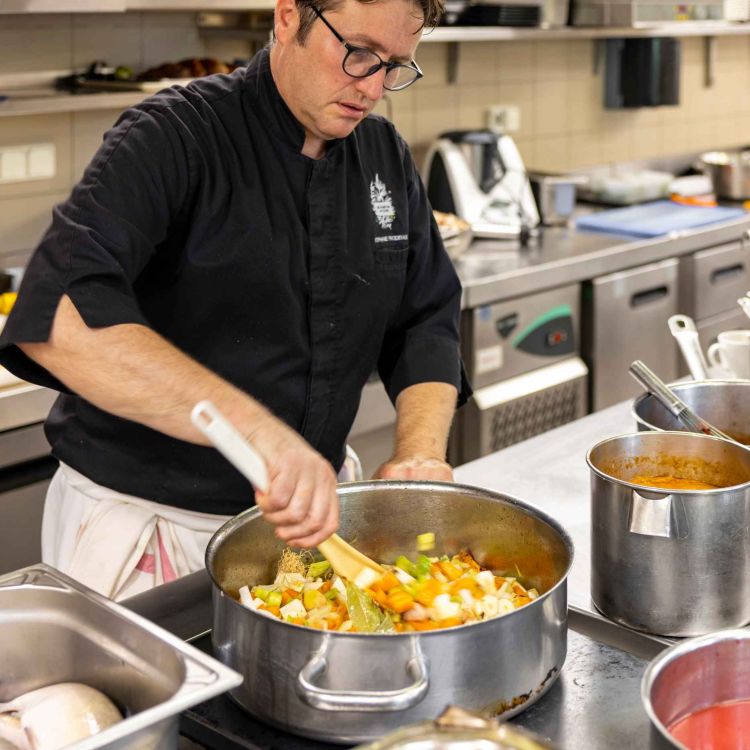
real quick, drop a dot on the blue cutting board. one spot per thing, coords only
(655, 219)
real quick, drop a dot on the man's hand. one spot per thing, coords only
(301, 501)
(415, 467)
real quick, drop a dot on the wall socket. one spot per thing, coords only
(505, 118)
(36, 161)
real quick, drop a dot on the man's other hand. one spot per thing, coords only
(301, 501)
(415, 467)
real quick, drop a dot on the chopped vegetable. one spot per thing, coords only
(426, 541)
(426, 594)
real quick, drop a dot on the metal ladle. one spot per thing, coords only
(346, 561)
(673, 403)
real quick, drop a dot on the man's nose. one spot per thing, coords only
(372, 86)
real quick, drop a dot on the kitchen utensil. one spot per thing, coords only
(53, 629)
(685, 333)
(672, 562)
(726, 403)
(694, 675)
(656, 219)
(345, 560)
(729, 172)
(744, 303)
(458, 729)
(354, 687)
(731, 352)
(555, 196)
(653, 384)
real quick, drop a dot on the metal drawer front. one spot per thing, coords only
(21, 518)
(626, 319)
(710, 328)
(720, 276)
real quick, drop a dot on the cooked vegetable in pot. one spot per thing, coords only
(428, 593)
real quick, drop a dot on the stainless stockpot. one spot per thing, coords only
(670, 562)
(723, 403)
(692, 675)
(350, 687)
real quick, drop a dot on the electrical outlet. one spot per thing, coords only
(37, 161)
(505, 118)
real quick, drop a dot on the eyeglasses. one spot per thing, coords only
(360, 62)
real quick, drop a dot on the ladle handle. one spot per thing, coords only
(653, 384)
(685, 333)
(228, 440)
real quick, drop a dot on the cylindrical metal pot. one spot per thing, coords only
(670, 562)
(723, 403)
(693, 675)
(352, 687)
(729, 172)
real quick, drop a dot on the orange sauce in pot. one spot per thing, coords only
(668, 482)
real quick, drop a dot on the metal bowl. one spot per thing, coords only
(723, 403)
(456, 242)
(692, 675)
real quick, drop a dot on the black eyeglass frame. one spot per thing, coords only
(389, 66)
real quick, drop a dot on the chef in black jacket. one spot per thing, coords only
(257, 239)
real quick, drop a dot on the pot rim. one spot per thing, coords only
(660, 662)
(680, 385)
(659, 490)
(346, 488)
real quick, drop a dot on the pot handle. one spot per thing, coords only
(651, 516)
(363, 700)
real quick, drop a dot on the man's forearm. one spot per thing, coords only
(424, 415)
(132, 372)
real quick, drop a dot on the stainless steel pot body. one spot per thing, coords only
(729, 172)
(350, 687)
(692, 675)
(723, 403)
(673, 563)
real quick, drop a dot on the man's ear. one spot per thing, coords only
(285, 21)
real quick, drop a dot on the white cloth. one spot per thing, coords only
(117, 544)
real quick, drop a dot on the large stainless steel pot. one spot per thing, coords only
(723, 403)
(692, 675)
(670, 562)
(729, 172)
(350, 687)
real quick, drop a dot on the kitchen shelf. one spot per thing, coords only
(49, 101)
(208, 6)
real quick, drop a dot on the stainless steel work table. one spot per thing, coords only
(493, 270)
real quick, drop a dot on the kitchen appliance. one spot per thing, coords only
(505, 13)
(480, 176)
(694, 675)
(522, 359)
(729, 172)
(53, 629)
(349, 687)
(643, 12)
(666, 561)
(724, 403)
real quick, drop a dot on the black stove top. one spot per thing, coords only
(220, 724)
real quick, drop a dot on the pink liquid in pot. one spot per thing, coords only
(725, 726)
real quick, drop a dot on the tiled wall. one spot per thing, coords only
(563, 123)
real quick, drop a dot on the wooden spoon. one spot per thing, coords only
(346, 561)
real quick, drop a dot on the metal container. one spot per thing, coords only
(723, 403)
(457, 729)
(729, 172)
(353, 687)
(555, 196)
(670, 562)
(692, 675)
(53, 629)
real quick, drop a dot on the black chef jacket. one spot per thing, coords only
(292, 278)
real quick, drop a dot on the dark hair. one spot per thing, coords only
(431, 11)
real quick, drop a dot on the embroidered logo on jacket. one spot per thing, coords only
(382, 205)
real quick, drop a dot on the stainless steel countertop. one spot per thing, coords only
(493, 270)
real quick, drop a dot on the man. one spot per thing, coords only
(257, 240)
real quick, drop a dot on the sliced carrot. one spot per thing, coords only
(399, 600)
(275, 611)
(325, 587)
(449, 570)
(428, 591)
